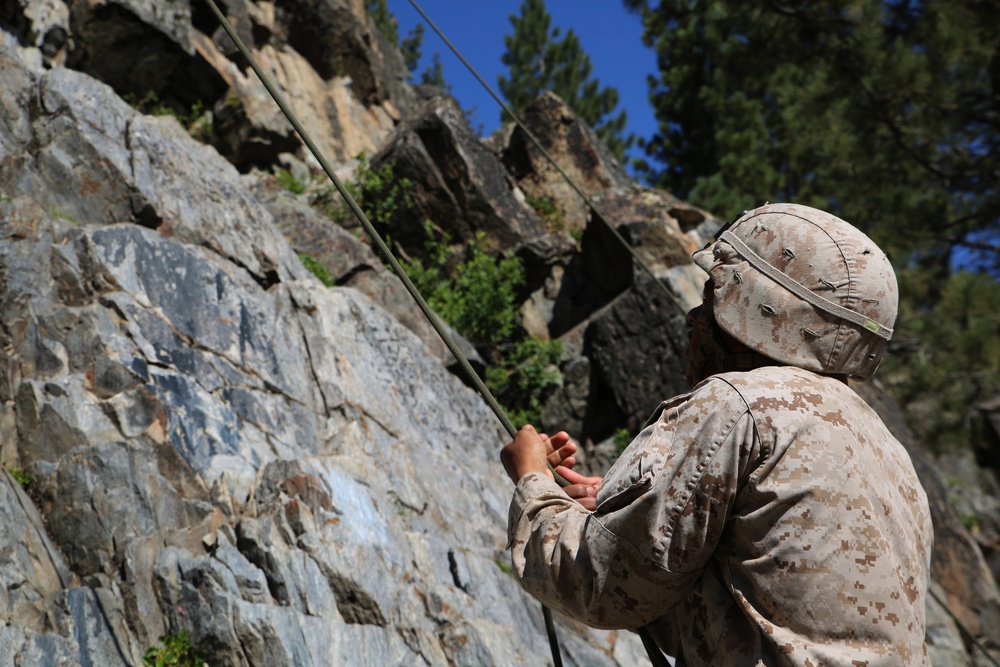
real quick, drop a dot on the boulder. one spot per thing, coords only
(573, 145)
(456, 184)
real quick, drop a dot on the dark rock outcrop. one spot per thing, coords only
(140, 47)
(638, 345)
(576, 149)
(457, 184)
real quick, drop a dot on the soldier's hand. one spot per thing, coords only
(559, 450)
(581, 488)
(527, 453)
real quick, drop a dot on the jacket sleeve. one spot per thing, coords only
(661, 510)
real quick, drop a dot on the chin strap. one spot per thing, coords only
(746, 361)
(711, 355)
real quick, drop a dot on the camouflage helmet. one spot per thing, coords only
(804, 288)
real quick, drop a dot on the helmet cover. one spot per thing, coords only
(804, 288)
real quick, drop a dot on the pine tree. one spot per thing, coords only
(540, 59)
(886, 113)
(433, 74)
(945, 358)
(525, 55)
(379, 12)
(410, 47)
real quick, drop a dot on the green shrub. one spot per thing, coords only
(176, 651)
(504, 567)
(478, 297)
(378, 192)
(318, 269)
(199, 123)
(57, 213)
(287, 180)
(524, 376)
(23, 478)
(196, 120)
(969, 522)
(547, 211)
(622, 439)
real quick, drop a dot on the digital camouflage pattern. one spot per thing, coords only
(767, 518)
(803, 287)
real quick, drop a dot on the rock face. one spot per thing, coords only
(198, 436)
(218, 443)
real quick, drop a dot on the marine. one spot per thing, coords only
(768, 517)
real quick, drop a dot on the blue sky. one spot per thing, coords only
(610, 35)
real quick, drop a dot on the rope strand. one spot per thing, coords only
(548, 156)
(393, 263)
(656, 657)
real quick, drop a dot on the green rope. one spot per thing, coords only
(652, 650)
(545, 153)
(366, 223)
(397, 269)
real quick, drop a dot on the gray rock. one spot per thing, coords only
(41, 23)
(27, 647)
(572, 145)
(89, 158)
(32, 570)
(48, 619)
(457, 184)
(92, 618)
(638, 346)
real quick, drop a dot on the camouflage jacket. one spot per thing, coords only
(767, 518)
